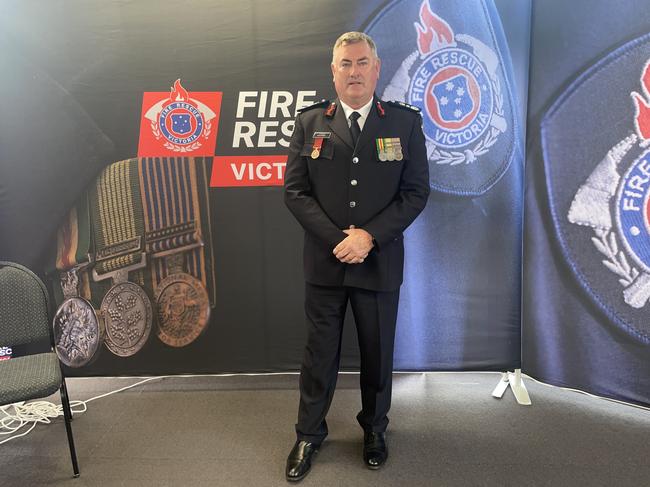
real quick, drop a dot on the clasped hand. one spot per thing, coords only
(354, 248)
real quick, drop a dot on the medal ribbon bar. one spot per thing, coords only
(172, 215)
(76, 327)
(118, 220)
(118, 229)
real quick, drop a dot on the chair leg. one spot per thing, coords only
(67, 415)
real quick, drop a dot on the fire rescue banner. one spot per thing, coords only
(586, 254)
(142, 155)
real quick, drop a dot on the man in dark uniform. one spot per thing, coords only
(356, 177)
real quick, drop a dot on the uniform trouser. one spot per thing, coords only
(375, 314)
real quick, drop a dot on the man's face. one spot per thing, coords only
(356, 71)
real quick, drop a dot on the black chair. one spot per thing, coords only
(25, 319)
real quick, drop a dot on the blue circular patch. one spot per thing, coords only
(180, 123)
(632, 210)
(454, 91)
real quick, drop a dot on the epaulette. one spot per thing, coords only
(380, 109)
(404, 106)
(318, 104)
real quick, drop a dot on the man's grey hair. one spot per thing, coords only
(353, 38)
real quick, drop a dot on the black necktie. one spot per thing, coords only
(355, 130)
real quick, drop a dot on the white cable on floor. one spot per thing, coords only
(24, 415)
(639, 406)
(32, 413)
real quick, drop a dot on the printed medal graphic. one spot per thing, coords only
(457, 80)
(599, 182)
(179, 122)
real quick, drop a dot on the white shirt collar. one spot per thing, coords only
(363, 111)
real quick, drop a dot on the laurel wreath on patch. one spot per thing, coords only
(605, 242)
(180, 148)
(154, 129)
(468, 156)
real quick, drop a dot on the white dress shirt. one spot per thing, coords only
(363, 111)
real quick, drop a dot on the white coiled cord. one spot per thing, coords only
(30, 414)
(25, 416)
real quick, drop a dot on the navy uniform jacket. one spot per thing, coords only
(345, 186)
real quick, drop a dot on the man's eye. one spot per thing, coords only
(363, 63)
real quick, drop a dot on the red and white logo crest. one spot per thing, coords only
(179, 122)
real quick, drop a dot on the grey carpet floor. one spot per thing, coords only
(446, 430)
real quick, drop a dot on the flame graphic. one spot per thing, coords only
(178, 93)
(434, 33)
(642, 116)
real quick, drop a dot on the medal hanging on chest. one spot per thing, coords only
(389, 149)
(318, 143)
(319, 140)
(381, 150)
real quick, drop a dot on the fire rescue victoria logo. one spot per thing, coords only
(460, 97)
(458, 83)
(614, 202)
(185, 123)
(599, 180)
(179, 123)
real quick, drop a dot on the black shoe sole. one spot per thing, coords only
(375, 467)
(298, 479)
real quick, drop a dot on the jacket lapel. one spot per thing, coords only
(370, 127)
(339, 125)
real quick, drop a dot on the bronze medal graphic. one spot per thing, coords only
(174, 241)
(127, 314)
(77, 332)
(183, 309)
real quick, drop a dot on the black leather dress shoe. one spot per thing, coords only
(375, 451)
(299, 460)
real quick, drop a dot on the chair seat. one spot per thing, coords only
(29, 377)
